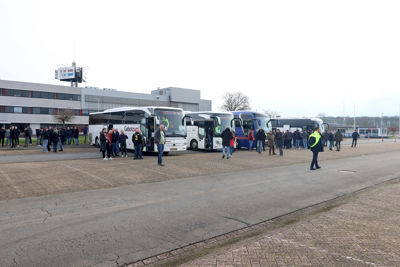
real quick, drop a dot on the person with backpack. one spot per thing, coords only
(260, 137)
(251, 140)
(137, 139)
(226, 142)
(316, 146)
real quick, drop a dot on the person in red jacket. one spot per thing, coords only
(251, 140)
(232, 142)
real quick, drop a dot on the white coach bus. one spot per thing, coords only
(304, 124)
(205, 133)
(147, 120)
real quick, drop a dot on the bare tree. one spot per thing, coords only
(64, 115)
(271, 114)
(235, 101)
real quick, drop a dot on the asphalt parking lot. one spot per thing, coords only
(27, 173)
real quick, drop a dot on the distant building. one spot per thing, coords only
(34, 104)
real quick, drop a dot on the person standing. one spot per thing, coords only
(325, 139)
(260, 137)
(103, 145)
(226, 142)
(2, 136)
(26, 132)
(8, 137)
(30, 134)
(331, 138)
(13, 134)
(251, 140)
(297, 138)
(85, 132)
(114, 140)
(355, 136)
(109, 144)
(271, 142)
(210, 137)
(279, 141)
(159, 139)
(232, 144)
(45, 136)
(338, 139)
(69, 134)
(122, 143)
(54, 140)
(316, 146)
(76, 136)
(38, 136)
(137, 139)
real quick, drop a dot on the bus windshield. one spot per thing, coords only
(172, 120)
(263, 125)
(225, 122)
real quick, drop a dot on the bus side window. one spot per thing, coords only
(202, 130)
(143, 127)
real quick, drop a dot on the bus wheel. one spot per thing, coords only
(96, 142)
(194, 145)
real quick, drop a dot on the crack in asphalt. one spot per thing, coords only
(48, 213)
(237, 220)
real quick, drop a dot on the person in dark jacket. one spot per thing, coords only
(316, 146)
(226, 142)
(114, 141)
(76, 136)
(297, 139)
(287, 137)
(122, 143)
(159, 139)
(13, 134)
(54, 140)
(331, 138)
(26, 132)
(17, 134)
(355, 136)
(38, 137)
(45, 138)
(260, 137)
(103, 145)
(279, 141)
(325, 139)
(137, 139)
(2, 136)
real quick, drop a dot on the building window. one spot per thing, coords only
(26, 110)
(44, 111)
(17, 109)
(36, 94)
(36, 110)
(9, 109)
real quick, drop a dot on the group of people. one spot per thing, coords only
(49, 137)
(113, 142)
(45, 137)
(10, 136)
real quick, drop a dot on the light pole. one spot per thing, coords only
(354, 117)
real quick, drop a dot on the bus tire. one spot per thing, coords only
(194, 145)
(96, 142)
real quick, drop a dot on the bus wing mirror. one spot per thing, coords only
(187, 117)
(259, 122)
(217, 119)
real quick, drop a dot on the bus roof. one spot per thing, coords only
(298, 118)
(147, 108)
(208, 112)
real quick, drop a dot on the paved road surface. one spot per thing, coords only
(111, 226)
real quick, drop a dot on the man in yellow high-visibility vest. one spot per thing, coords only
(315, 143)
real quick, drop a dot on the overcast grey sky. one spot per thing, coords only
(298, 58)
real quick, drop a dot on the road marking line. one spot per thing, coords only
(89, 174)
(10, 181)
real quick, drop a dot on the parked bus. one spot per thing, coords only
(304, 124)
(205, 133)
(147, 120)
(247, 121)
